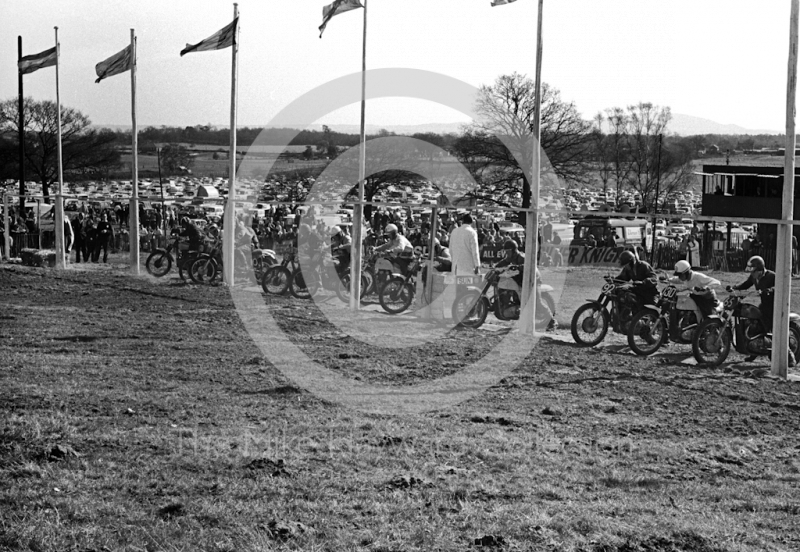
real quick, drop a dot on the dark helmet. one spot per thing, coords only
(755, 263)
(510, 244)
(626, 258)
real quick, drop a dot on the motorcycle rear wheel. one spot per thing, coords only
(711, 343)
(276, 280)
(646, 332)
(470, 310)
(589, 325)
(159, 263)
(396, 296)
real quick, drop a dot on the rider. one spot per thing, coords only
(244, 235)
(190, 230)
(397, 245)
(340, 246)
(514, 257)
(702, 297)
(764, 282)
(642, 275)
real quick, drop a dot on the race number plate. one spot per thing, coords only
(463, 280)
(670, 292)
(608, 288)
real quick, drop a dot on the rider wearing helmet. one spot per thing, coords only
(764, 281)
(514, 257)
(641, 274)
(397, 245)
(699, 284)
(190, 230)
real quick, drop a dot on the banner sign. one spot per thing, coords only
(572, 255)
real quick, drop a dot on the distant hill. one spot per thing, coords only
(688, 125)
(683, 125)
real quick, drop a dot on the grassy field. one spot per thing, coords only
(138, 414)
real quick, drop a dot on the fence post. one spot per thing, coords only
(6, 229)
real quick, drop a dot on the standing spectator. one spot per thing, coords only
(69, 237)
(794, 255)
(693, 252)
(556, 238)
(464, 248)
(79, 233)
(89, 234)
(104, 234)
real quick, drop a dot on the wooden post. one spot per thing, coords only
(133, 215)
(358, 210)
(58, 218)
(230, 207)
(527, 321)
(783, 261)
(431, 256)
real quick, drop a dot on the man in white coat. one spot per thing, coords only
(464, 248)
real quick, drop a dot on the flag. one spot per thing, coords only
(218, 41)
(29, 64)
(338, 6)
(118, 63)
(501, 2)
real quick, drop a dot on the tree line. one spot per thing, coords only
(622, 148)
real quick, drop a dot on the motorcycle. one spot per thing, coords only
(331, 271)
(397, 294)
(739, 324)
(471, 308)
(207, 266)
(673, 316)
(160, 261)
(615, 307)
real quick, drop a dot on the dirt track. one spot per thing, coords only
(680, 431)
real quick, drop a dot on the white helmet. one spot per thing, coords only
(335, 230)
(682, 267)
(390, 228)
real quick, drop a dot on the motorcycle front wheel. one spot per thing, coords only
(590, 325)
(646, 332)
(470, 310)
(343, 290)
(276, 280)
(711, 343)
(203, 270)
(159, 263)
(298, 286)
(396, 296)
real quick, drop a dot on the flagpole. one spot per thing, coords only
(133, 215)
(59, 213)
(783, 266)
(358, 213)
(230, 211)
(528, 316)
(21, 138)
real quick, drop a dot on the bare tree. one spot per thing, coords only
(655, 171)
(498, 149)
(85, 150)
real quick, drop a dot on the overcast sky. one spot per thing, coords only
(723, 60)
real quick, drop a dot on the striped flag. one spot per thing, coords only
(501, 2)
(118, 63)
(338, 6)
(220, 40)
(29, 64)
